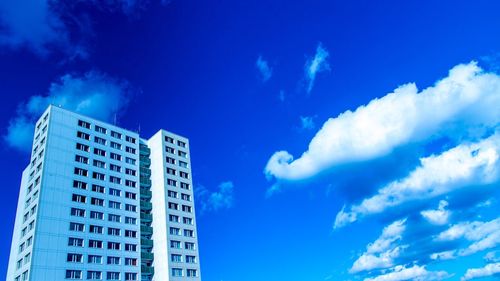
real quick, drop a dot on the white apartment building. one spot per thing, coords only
(97, 202)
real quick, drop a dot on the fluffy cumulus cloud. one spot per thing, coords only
(464, 165)
(314, 66)
(265, 71)
(95, 94)
(456, 106)
(46, 25)
(222, 198)
(439, 216)
(382, 252)
(492, 269)
(415, 273)
(481, 235)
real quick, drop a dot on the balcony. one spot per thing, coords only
(146, 230)
(147, 270)
(145, 193)
(146, 217)
(147, 256)
(144, 150)
(145, 182)
(146, 206)
(145, 161)
(146, 243)
(145, 171)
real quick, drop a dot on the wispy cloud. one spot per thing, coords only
(439, 216)
(94, 93)
(307, 122)
(315, 66)
(415, 273)
(492, 269)
(264, 69)
(382, 252)
(455, 106)
(222, 198)
(464, 165)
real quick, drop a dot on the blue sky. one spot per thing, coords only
(331, 140)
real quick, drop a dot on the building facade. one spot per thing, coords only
(98, 202)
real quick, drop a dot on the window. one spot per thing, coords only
(74, 258)
(116, 135)
(130, 139)
(186, 208)
(114, 204)
(113, 218)
(75, 242)
(113, 231)
(78, 198)
(130, 195)
(169, 139)
(96, 229)
(94, 259)
(100, 129)
(81, 159)
(130, 233)
(97, 244)
(191, 272)
(171, 182)
(100, 152)
(184, 175)
(96, 215)
(77, 212)
(113, 260)
(129, 220)
(175, 258)
(129, 276)
(130, 160)
(131, 261)
(172, 194)
(175, 244)
(29, 241)
(115, 192)
(130, 183)
(185, 186)
(171, 171)
(73, 274)
(173, 218)
(98, 176)
(115, 168)
(170, 160)
(183, 164)
(130, 208)
(130, 150)
(190, 259)
(83, 135)
(73, 226)
(115, 156)
(100, 141)
(173, 206)
(182, 154)
(79, 184)
(113, 246)
(187, 220)
(84, 124)
(174, 231)
(112, 275)
(177, 272)
(181, 143)
(116, 145)
(97, 201)
(98, 188)
(130, 172)
(186, 197)
(81, 172)
(94, 275)
(131, 247)
(114, 179)
(188, 233)
(99, 164)
(21, 247)
(189, 245)
(169, 149)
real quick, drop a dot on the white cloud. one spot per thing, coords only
(316, 65)
(493, 256)
(463, 165)
(94, 94)
(307, 123)
(415, 273)
(382, 252)
(222, 198)
(439, 216)
(264, 69)
(468, 98)
(446, 255)
(483, 235)
(491, 269)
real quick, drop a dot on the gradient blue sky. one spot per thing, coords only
(247, 79)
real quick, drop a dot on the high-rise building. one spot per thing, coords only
(98, 202)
